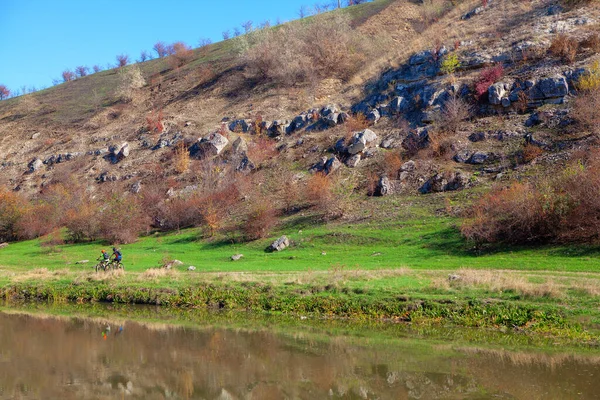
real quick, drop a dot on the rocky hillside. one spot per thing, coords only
(444, 97)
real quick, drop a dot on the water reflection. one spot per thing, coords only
(78, 358)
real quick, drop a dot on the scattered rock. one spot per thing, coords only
(236, 257)
(3, 245)
(136, 187)
(278, 245)
(442, 182)
(239, 146)
(352, 162)
(191, 268)
(35, 165)
(454, 277)
(82, 262)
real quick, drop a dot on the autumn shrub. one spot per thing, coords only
(392, 161)
(261, 149)
(82, 222)
(531, 152)
(487, 77)
(319, 189)
(591, 42)
(565, 47)
(122, 218)
(36, 220)
(587, 103)
(181, 54)
(154, 122)
(122, 60)
(12, 207)
(182, 158)
(557, 209)
(260, 221)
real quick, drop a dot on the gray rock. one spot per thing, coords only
(329, 109)
(35, 135)
(236, 257)
(408, 166)
(360, 140)
(240, 125)
(549, 88)
(278, 245)
(82, 262)
(210, 145)
(245, 165)
(477, 137)
(340, 146)
(374, 116)
(384, 186)
(479, 157)
(353, 161)
(191, 268)
(497, 92)
(136, 187)
(445, 182)
(506, 102)
(332, 165)
(35, 165)
(390, 142)
(3, 245)
(399, 105)
(462, 156)
(332, 119)
(239, 146)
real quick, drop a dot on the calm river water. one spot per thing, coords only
(49, 357)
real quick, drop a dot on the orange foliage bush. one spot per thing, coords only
(564, 208)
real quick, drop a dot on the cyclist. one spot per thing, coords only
(118, 257)
(104, 259)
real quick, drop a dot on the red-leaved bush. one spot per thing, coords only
(487, 78)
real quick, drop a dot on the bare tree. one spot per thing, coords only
(203, 42)
(302, 12)
(4, 92)
(122, 60)
(144, 56)
(97, 68)
(81, 71)
(160, 48)
(236, 32)
(226, 35)
(67, 75)
(247, 26)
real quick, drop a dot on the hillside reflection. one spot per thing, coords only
(77, 358)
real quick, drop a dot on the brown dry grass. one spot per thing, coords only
(156, 274)
(524, 283)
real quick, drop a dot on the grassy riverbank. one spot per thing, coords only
(415, 269)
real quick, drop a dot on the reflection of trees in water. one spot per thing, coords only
(68, 359)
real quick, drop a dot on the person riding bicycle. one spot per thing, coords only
(118, 257)
(104, 257)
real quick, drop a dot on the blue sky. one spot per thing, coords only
(41, 38)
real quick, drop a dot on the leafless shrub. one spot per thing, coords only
(324, 47)
(452, 115)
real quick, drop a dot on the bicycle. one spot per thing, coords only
(103, 264)
(115, 264)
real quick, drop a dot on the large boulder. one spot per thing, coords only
(360, 140)
(278, 245)
(210, 145)
(555, 87)
(497, 92)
